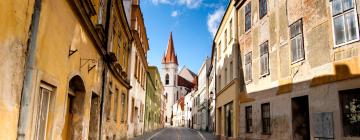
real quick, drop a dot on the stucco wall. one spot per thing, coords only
(15, 16)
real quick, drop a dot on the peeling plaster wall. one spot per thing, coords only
(115, 127)
(15, 17)
(325, 71)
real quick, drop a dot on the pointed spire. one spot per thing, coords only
(170, 56)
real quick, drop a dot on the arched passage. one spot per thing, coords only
(74, 109)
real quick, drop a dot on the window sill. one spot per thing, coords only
(248, 82)
(347, 43)
(264, 75)
(261, 18)
(297, 61)
(248, 31)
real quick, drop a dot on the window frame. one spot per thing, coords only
(263, 119)
(109, 100)
(226, 76)
(167, 79)
(343, 95)
(225, 40)
(343, 13)
(301, 34)
(116, 104)
(249, 120)
(123, 106)
(247, 13)
(230, 30)
(231, 70)
(248, 73)
(50, 91)
(264, 74)
(261, 15)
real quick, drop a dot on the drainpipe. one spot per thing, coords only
(104, 74)
(104, 80)
(30, 64)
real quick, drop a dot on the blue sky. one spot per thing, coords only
(193, 23)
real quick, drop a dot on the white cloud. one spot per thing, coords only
(174, 13)
(190, 3)
(214, 20)
(156, 2)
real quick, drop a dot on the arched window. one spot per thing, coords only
(167, 79)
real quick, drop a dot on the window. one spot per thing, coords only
(264, 58)
(124, 55)
(167, 79)
(229, 119)
(101, 11)
(225, 77)
(345, 21)
(116, 103)
(248, 67)
(136, 66)
(265, 118)
(297, 47)
(248, 117)
(141, 112)
(248, 16)
(140, 74)
(350, 108)
(231, 34)
(123, 102)
(108, 100)
(219, 82)
(118, 52)
(132, 110)
(231, 70)
(219, 49)
(263, 8)
(226, 41)
(43, 112)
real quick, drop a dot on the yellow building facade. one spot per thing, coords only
(14, 27)
(117, 83)
(68, 69)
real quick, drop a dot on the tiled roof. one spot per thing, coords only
(185, 83)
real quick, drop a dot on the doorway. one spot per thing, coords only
(74, 112)
(228, 119)
(300, 118)
(219, 120)
(94, 117)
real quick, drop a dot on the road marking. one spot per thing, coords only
(156, 134)
(201, 135)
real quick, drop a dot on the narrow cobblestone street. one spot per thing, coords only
(176, 133)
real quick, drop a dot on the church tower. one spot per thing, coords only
(169, 77)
